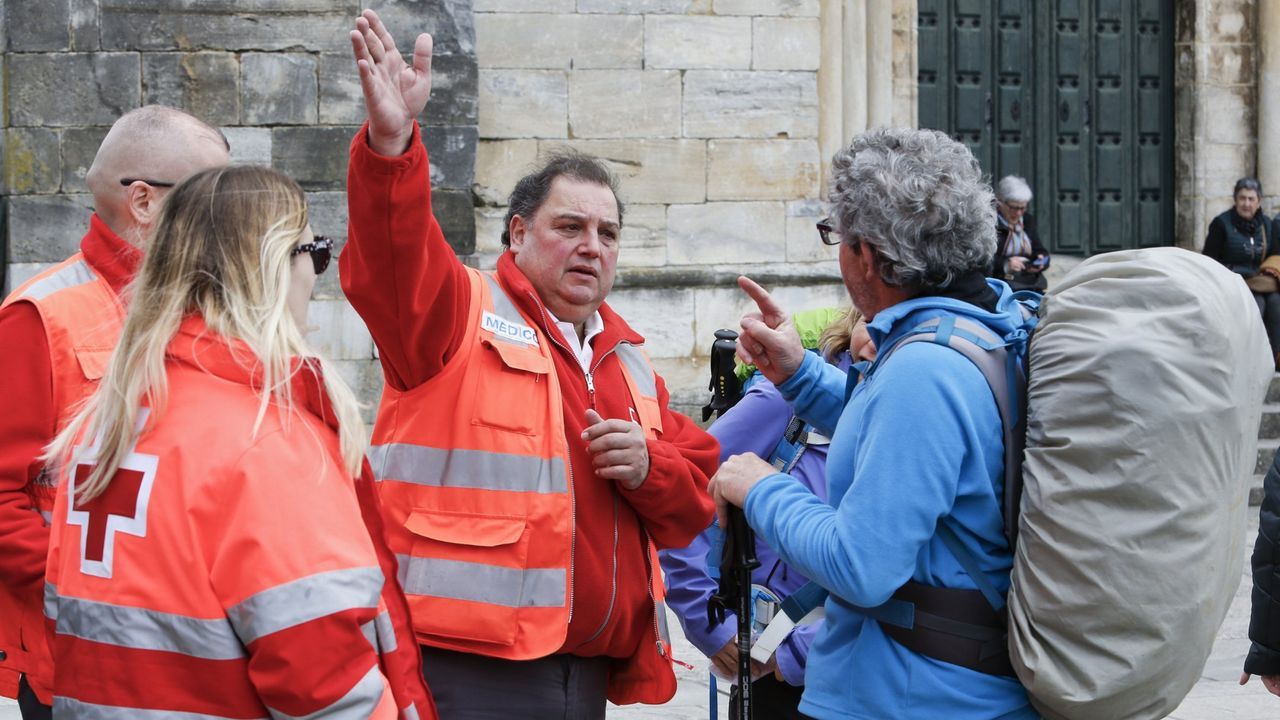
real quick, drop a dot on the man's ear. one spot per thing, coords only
(515, 232)
(143, 203)
(870, 261)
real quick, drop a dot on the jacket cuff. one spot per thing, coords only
(1262, 660)
(369, 161)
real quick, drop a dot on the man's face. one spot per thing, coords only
(569, 249)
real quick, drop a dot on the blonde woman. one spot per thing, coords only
(211, 553)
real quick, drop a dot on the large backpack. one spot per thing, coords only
(1139, 404)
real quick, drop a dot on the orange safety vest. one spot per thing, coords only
(82, 318)
(222, 573)
(476, 489)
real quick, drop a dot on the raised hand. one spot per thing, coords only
(769, 339)
(394, 93)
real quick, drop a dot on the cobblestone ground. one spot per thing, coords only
(1216, 697)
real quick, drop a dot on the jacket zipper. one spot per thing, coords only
(613, 594)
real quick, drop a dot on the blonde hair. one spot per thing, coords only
(223, 250)
(837, 334)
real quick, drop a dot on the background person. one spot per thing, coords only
(529, 465)
(214, 590)
(56, 333)
(917, 445)
(1021, 258)
(755, 425)
(1244, 240)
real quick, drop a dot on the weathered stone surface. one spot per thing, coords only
(524, 6)
(785, 44)
(72, 89)
(651, 171)
(47, 228)
(762, 169)
(489, 226)
(719, 232)
(341, 101)
(229, 6)
(205, 84)
(126, 26)
(249, 145)
(1230, 65)
(645, 7)
(1232, 112)
(79, 148)
(45, 25)
(523, 104)
(803, 243)
(723, 307)
(693, 41)
(316, 157)
(278, 88)
(365, 379)
(624, 103)
(519, 40)
(339, 333)
(84, 26)
(449, 22)
(456, 214)
(453, 156)
(665, 317)
(793, 8)
(455, 91)
(32, 161)
(644, 236)
(750, 104)
(499, 165)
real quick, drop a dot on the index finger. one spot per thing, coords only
(773, 314)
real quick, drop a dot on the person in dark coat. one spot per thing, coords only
(1264, 622)
(1020, 258)
(1244, 241)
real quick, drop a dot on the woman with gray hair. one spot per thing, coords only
(916, 459)
(1243, 240)
(1020, 258)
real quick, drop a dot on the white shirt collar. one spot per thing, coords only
(594, 326)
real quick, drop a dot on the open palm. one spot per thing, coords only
(394, 92)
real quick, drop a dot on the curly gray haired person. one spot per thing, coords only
(919, 198)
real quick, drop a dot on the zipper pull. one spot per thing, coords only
(591, 391)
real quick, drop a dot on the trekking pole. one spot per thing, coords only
(738, 558)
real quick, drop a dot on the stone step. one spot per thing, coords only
(1269, 428)
(1273, 390)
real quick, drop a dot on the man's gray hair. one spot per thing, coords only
(1012, 188)
(919, 198)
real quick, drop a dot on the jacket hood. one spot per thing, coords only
(894, 321)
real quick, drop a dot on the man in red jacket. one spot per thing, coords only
(527, 461)
(56, 333)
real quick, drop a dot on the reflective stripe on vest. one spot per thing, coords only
(638, 367)
(142, 629)
(304, 600)
(360, 703)
(77, 273)
(69, 707)
(380, 633)
(503, 308)
(476, 469)
(477, 582)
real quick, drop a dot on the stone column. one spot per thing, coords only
(831, 135)
(855, 67)
(879, 44)
(1268, 109)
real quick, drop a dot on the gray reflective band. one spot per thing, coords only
(475, 469)
(143, 629)
(358, 704)
(380, 633)
(304, 600)
(477, 582)
(638, 366)
(504, 308)
(664, 632)
(409, 713)
(77, 273)
(65, 707)
(51, 601)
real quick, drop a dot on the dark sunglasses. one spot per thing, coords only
(320, 248)
(153, 183)
(828, 232)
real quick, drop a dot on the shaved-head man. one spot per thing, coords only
(56, 334)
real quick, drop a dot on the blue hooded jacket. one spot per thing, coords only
(919, 440)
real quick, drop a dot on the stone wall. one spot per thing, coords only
(275, 75)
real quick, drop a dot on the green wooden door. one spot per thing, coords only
(1076, 96)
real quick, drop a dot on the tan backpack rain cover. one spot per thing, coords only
(1148, 371)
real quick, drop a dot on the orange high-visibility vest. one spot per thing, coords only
(475, 486)
(82, 318)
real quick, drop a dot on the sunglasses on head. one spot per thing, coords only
(320, 248)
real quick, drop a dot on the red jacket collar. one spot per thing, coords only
(199, 347)
(112, 257)
(513, 280)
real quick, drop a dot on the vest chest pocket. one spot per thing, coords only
(467, 575)
(507, 396)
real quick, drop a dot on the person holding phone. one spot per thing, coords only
(1021, 258)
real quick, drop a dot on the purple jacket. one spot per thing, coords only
(754, 425)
